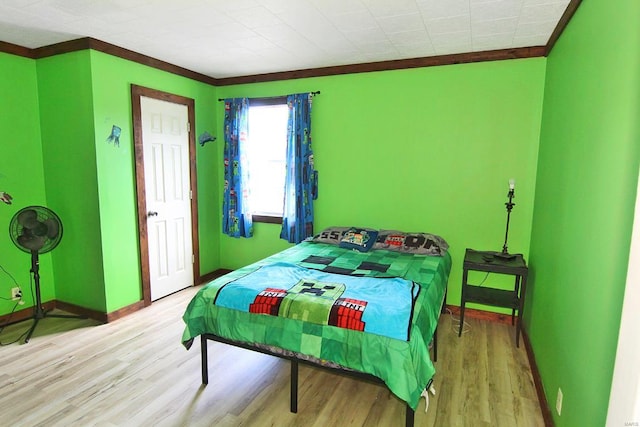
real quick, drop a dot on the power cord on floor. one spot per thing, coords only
(455, 323)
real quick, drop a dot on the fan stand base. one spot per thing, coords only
(41, 314)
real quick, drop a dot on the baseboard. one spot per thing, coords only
(537, 380)
(125, 311)
(27, 313)
(481, 314)
(139, 305)
(100, 316)
(213, 275)
(23, 314)
(81, 311)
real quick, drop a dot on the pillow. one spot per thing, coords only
(389, 239)
(330, 235)
(361, 239)
(415, 243)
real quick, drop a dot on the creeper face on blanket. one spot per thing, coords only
(312, 301)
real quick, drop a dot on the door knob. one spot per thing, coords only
(151, 213)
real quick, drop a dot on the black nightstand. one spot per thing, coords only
(493, 262)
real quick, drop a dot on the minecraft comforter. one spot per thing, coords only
(373, 312)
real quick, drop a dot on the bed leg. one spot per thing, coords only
(204, 360)
(294, 386)
(435, 345)
(409, 416)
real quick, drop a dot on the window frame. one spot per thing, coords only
(262, 102)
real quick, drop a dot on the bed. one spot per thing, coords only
(363, 302)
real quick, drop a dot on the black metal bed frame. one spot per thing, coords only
(409, 416)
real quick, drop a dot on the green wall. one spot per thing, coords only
(64, 86)
(112, 78)
(425, 150)
(587, 173)
(21, 173)
(61, 109)
(428, 149)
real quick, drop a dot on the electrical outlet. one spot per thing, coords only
(16, 293)
(559, 401)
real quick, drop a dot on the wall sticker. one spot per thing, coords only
(5, 197)
(115, 135)
(206, 137)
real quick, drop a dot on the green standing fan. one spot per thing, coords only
(37, 230)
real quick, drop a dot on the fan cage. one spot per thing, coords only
(43, 214)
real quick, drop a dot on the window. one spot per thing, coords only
(267, 147)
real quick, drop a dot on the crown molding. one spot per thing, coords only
(400, 64)
(17, 50)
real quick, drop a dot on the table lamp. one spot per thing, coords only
(505, 252)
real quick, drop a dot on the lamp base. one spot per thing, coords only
(504, 255)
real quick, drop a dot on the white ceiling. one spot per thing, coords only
(227, 38)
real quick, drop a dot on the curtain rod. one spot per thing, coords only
(267, 97)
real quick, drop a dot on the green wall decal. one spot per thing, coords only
(5, 197)
(115, 135)
(205, 137)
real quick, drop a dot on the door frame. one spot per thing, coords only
(136, 111)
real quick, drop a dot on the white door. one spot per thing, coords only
(165, 140)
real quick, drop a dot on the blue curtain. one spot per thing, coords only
(301, 180)
(236, 217)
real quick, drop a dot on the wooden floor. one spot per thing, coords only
(135, 372)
